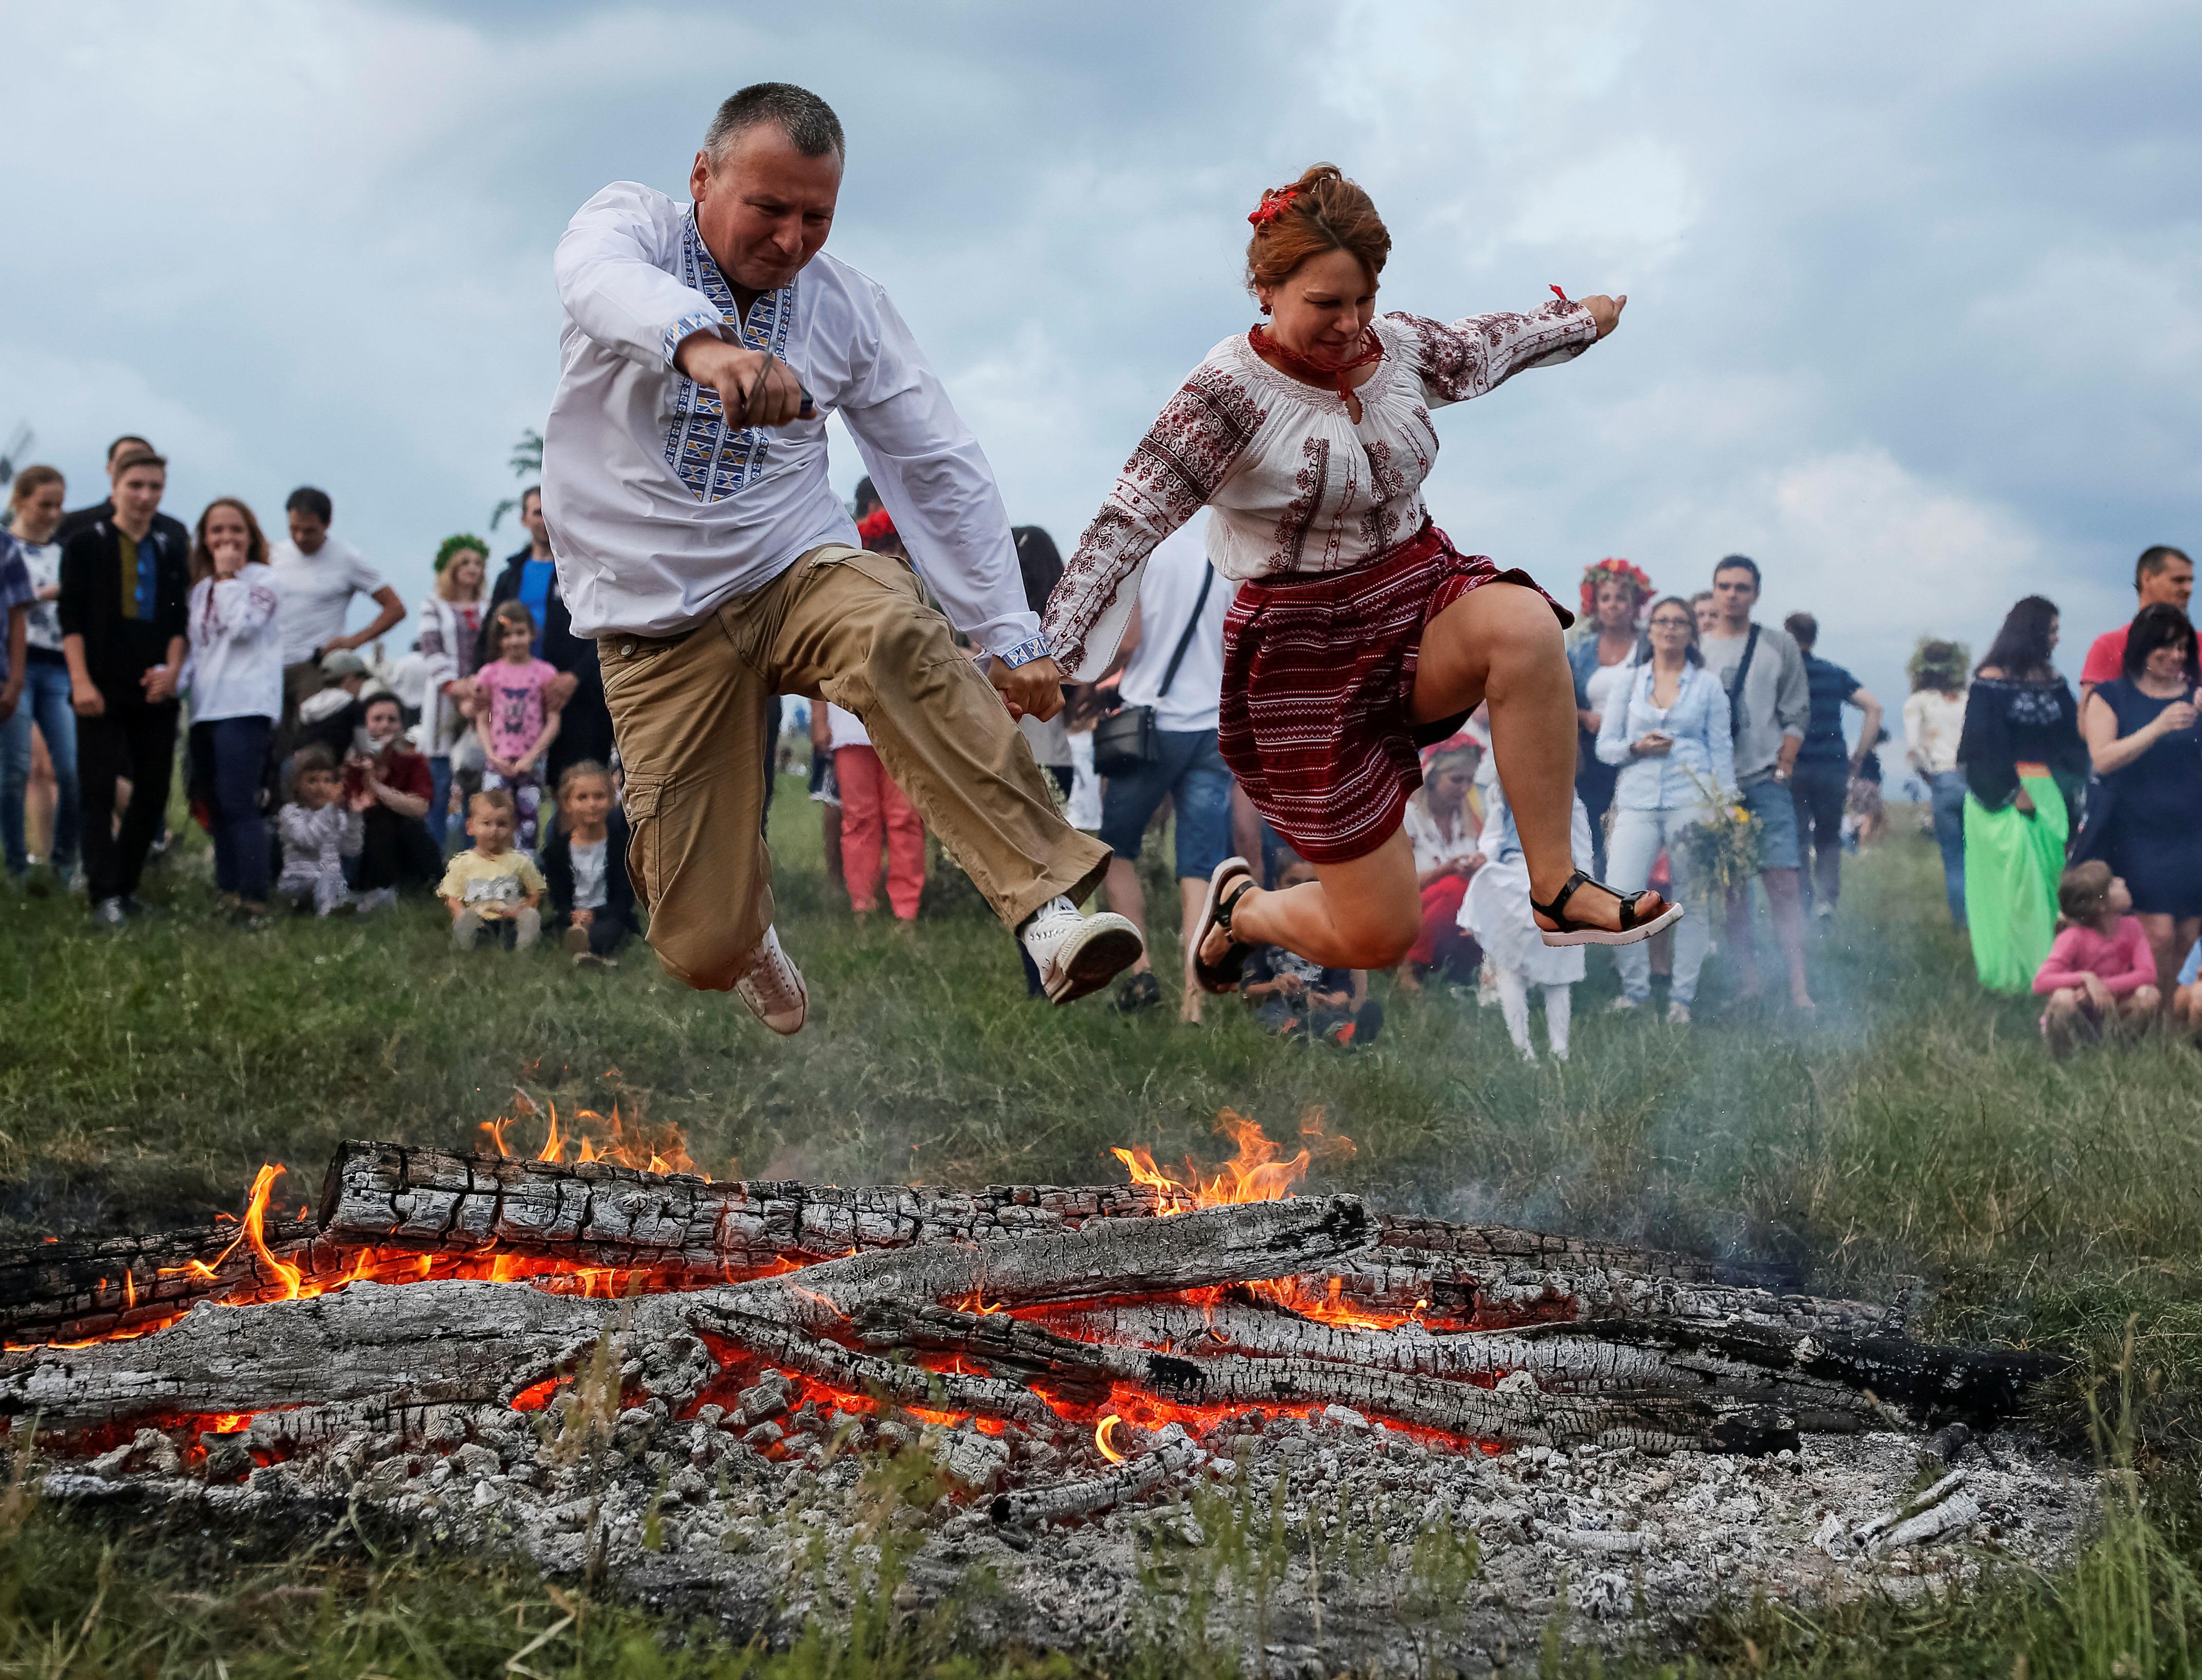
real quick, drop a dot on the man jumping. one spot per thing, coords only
(698, 540)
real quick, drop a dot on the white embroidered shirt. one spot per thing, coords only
(659, 511)
(1295, 486)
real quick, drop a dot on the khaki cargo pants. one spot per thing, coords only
(840, 624)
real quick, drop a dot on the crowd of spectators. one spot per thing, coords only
(479, 766)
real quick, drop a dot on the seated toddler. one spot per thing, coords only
(490, 885)
(319, 828)
(2100, 971)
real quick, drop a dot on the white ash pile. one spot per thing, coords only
(1333, 1540)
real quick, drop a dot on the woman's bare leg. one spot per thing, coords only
(1362, 915)
(1500, 643)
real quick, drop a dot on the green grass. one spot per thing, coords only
(1916, 1131)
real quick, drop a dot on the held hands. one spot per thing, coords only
(754, 388)
(1035, 687)
(159, 683)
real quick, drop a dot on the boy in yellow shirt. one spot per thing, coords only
(491, 885)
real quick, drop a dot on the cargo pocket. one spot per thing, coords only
(640, 802)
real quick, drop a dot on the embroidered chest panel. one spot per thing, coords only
(713, 460)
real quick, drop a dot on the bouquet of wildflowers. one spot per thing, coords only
(1723, 848)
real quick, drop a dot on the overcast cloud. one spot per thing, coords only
(1916, 293)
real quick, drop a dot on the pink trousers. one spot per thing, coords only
(876, 814)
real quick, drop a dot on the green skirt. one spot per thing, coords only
(2012, 861)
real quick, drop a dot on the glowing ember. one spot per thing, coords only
(1102, 1432)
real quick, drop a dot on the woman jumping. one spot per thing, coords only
(1358, 630)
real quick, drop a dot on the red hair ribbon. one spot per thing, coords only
(876, 525)
(1562, 295)
(1273, 201)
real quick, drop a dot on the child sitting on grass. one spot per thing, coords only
(2100, 971)
(490, 885)
(318, 830)
(1296, 998)
(585, 865)
(514, 716)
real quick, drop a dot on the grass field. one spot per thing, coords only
(1915, 1130)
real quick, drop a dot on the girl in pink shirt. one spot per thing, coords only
(2100, 969)
(515, 717)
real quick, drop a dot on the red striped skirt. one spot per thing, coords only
(1318, 688)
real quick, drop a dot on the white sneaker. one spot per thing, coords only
(1622, 1005)
(773, 987)
(1678, 1014)
(1077, 953)
(374, 899)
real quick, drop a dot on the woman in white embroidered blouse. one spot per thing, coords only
(1356, 628)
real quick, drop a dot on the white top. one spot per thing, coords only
(1084, 810)
(1600, 684)
(848, 728)
(1432, 849)
(42, 625)
(1167, 592)
(1933, 724)
(235, 668)
(316, 592)
(588, 874)
(1296, 486)
(658, 512)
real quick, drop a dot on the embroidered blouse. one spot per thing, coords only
(2008, 723)
(659, 510)
(235, 667)
(1296, 486)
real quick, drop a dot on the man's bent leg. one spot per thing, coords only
(855, 631)
(688, 713)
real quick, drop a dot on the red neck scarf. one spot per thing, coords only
(1330, 379)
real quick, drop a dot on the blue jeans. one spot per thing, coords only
(229, 763)
(439, 801)
(1630, 851)
(1771, 806)
(45, 702)
(1193, 770)
(1947, 790)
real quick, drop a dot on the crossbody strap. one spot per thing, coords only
(1742, 671)
(1200, 601)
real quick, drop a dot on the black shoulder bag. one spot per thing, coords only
(1129, 739)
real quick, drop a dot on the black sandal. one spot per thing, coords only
(1233, 880)
(1631, 931)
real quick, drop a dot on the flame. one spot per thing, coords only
(1102, 1432)
(591, 1136)
(1258, 1172)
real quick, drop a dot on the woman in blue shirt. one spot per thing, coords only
(1668, 729)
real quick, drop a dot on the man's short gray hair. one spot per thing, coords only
(808, 121)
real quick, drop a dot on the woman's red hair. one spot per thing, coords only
(1322, 211)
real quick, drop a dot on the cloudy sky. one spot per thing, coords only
(1916, 293)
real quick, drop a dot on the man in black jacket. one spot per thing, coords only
(126, 586)
(530, 577)
(84, 518)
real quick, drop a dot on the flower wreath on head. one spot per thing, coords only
(1635, 576)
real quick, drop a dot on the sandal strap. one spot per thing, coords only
(1557, 909)
(1229, 902)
